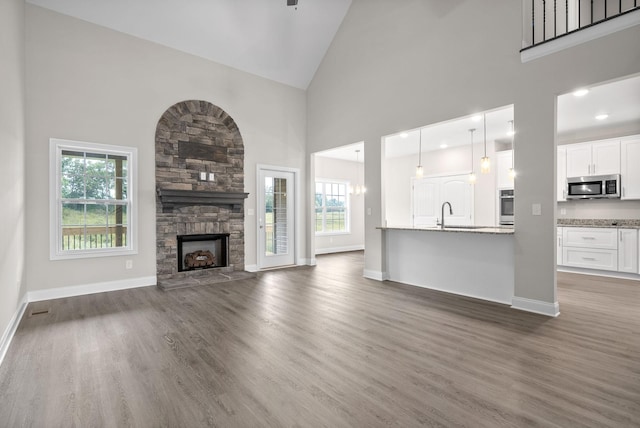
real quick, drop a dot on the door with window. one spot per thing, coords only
(276, 197)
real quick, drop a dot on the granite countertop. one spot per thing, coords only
(494, 230)
(604, 223)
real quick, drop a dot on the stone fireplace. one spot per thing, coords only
(200, 191)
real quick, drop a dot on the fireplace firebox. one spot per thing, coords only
(205, 251)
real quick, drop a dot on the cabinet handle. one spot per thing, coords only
(620, 235)
(589, 258)
(594, 168)
(588, 237)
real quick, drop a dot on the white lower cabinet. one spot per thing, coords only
(628, 250)
(590, 247)
(590, 258)
(612, 249)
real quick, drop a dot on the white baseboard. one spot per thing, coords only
(251, 268)
(307, 262)
(344, 249)
(100, 287)
(536, 306)
(374, 274)
(10, 331)
(596, 272)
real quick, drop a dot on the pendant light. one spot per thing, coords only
(512, 132)
(358, 188)
(472, 174)
(419, 169)
(485, 163)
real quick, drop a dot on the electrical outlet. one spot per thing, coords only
(536, 209)
(212, 176)
(128, 264)
(203, 176)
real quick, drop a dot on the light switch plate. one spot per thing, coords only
(203, 176)
(212, 176)
(536, 209)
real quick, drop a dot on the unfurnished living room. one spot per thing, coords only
(341, 213)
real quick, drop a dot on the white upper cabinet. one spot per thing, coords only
(606, 157)
(504, 163)
(562, 174)
(630, 168)
(595, 158)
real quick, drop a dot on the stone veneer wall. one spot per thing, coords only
(194, 137)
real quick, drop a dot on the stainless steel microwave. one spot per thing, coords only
(594, 186)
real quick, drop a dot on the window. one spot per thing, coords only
(332, 207)
(92, 199)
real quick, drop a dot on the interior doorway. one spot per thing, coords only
(339, 193)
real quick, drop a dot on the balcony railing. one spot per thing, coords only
(77, 238)
(546, 20)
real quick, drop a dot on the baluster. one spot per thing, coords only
(544, 20)
(555, 19)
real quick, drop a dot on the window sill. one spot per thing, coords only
(86, 254)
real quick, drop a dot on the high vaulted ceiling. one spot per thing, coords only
(262, 37)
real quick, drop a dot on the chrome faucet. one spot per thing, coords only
(442, 212)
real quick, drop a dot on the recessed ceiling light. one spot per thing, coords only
(580, 92)
(602, 116)
(443, 146)
(476, 118)
(403, 135)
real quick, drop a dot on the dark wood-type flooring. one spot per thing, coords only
(322, 346)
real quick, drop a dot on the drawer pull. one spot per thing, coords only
(588, 237)
(589, 258)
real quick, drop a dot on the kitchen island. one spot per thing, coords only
(473, 261)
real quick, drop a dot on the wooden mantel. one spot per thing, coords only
(170, 198)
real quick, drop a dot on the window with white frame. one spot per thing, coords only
(332, 207)
(92, 199)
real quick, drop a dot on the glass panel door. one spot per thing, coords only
(276, 220)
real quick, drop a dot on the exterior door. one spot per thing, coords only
(276, 197)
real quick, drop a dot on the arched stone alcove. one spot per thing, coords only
(195, 139)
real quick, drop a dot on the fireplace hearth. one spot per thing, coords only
(205, 251)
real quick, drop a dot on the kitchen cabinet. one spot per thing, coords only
(561, 172)
(594, 158)
(428, 195)
(559, 246)
(629, 168)
(504, 163)
(628, 250)
(591, 248)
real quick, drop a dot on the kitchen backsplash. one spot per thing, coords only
(599, 209)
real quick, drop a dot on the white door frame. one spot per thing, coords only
(296, 208)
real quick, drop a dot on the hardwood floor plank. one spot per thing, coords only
(324, 347)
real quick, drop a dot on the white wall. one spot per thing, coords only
(450, 161)
(12, 140)
(90, 83)
(326, 168)
(398, 65)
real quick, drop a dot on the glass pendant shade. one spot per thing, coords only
(485, 165)
(472, 177)
(512, 173)
(419, 171)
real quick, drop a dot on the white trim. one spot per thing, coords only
(56, 146)
(339, 249)
(306, 262)
(313, 261)
(457, 293)
(99, 287)
(10, 331)
(296, 215)
(596, 272)
(375, 274)
(584, 35)
(535, 306)
(251, 268)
